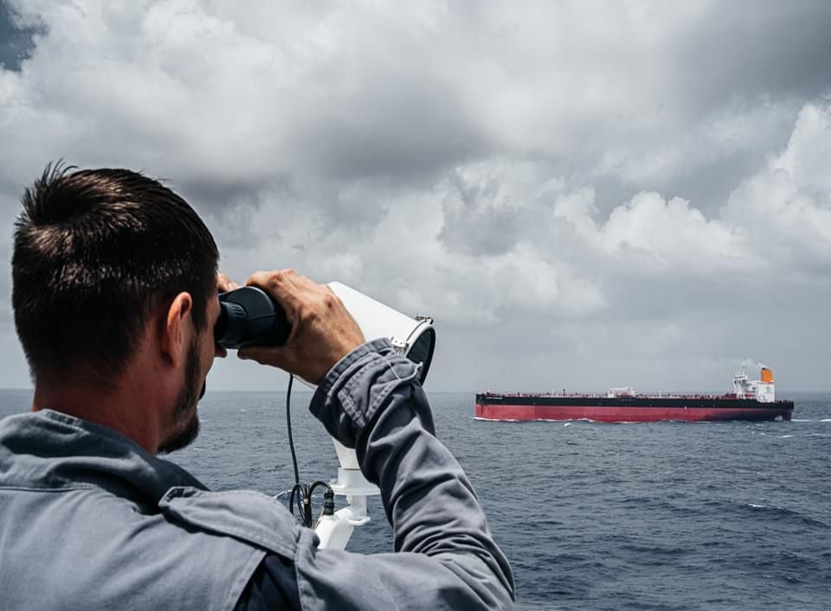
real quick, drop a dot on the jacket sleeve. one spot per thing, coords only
(445, 557)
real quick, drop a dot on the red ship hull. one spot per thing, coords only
(641, 409)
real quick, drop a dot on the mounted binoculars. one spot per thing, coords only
(250, 317)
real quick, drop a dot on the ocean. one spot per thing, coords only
(669, 516)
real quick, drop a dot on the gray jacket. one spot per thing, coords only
(89, 520)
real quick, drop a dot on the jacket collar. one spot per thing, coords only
(49, 450)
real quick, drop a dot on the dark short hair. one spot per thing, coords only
(96, 253)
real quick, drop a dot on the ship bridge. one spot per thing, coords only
(761, 390)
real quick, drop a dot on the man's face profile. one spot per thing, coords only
(184, 419)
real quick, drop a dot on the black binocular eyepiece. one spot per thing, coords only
(249, 316)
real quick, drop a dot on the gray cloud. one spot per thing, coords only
(748, 49)
(16, 38)
(403, 126)
(482, 221)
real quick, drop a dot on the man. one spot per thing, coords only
(115, 300)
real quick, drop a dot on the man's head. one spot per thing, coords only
(101, 260)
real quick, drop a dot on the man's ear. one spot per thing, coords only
(174, 340)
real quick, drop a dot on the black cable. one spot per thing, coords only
(291, 439)
(302, 493)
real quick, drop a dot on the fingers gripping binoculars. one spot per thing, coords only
(249, 316)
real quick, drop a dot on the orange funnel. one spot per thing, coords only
(767, 376)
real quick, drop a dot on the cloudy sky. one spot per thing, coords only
(582, 194)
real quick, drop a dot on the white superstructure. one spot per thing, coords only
(621, 391)
(761, 390)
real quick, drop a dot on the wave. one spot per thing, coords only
(658, 550)
(779, 513)
(811, 420)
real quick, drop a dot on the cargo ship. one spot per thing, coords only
(750, 400)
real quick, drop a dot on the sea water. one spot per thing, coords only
(729, 515)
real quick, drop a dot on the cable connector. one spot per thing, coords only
(329, 502)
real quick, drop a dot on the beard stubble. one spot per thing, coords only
(184, 422)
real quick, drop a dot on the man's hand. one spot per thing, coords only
(322, 330)
(223, 285)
